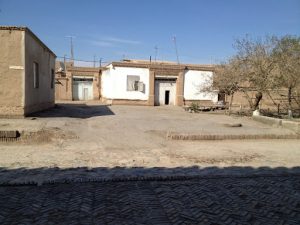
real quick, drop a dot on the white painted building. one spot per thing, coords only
(159, 83)
(114, 83)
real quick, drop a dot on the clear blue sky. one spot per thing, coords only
(205, 30)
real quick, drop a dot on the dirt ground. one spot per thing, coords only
(93, 135)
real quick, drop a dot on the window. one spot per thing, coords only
(36, 75)
(132, 82)
(52, 78)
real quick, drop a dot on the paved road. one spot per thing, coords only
(227, 200)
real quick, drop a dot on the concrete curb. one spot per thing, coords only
(291, 125)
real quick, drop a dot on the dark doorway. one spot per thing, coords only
(221, 96)
(167, 97)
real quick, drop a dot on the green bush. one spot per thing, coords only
(195, 107)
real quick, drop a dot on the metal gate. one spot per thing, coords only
(82, 88)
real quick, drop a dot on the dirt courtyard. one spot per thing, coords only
(91, 135)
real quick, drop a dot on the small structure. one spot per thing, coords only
(77, 83)
(157, 83)
(136, 82)
(27, 71)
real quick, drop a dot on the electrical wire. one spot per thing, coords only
(80, 60)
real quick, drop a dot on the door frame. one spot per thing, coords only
(157, 94)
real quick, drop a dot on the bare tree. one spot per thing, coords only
(286, 54)
(227, 79)
(251, 69)
(256, 66)
(263, 66)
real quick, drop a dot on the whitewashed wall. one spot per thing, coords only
(194, 81)
(114, 83)
(106, 84)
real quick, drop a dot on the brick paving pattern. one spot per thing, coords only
(227, 200)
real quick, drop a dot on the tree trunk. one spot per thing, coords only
(230, 103)
(258, 97)
(248, 99)
(290, 112)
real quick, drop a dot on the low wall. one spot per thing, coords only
(199, 102)
(291, 125)
(295, 126)
(213, 137)
(268, 120)
(125, 102)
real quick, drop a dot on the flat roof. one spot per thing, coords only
(26, 29)
(84, 69)
(162, 64)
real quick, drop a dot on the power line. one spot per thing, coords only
(81, 60)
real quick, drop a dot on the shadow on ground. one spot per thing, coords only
(82, 111)
(46, 175)
(190, 195)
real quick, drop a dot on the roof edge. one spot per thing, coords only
(26, 29)
(174, 66)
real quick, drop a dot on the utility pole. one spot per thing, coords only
(100, 62)
(94, 61)
(156, 50)
(175, 44)
(65, 66)
(72, 50)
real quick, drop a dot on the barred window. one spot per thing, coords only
(132, 82)
(36, 80)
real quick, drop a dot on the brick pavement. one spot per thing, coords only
(223, 200)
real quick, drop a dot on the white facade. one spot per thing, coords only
(114, 83)
(194, 82)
